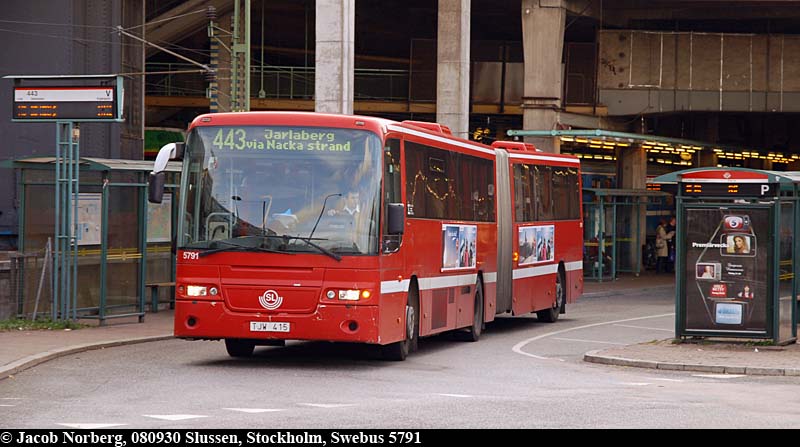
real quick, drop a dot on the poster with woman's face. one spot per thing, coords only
(536, 244)
(459, 246)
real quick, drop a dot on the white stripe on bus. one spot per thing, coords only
(570, 266)
(443, 282)
(529, 272)
(439, 282)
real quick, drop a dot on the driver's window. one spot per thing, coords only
(392, 185)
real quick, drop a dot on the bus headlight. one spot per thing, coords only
(349, 295)
(196, 291)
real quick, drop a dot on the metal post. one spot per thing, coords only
(143, 204)
(103, 248)
(601, 247)
(614, 242)
(57, 228)
(75, 134)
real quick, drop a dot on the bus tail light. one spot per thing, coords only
(515, 256)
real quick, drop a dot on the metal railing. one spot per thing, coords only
(277, 82)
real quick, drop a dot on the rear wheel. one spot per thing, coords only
(398, 351)
(551, 315)
(239, 348)
(474, 332)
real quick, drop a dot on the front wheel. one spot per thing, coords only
(398, 351)
(551, 315)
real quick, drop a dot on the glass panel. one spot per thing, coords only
(122, 278)
(728, 257)
(544, 187)
(264, 182)
(786, 271)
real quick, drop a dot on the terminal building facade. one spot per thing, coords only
(703, 83)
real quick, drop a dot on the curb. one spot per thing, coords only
(18, 366)
(623, 292)
(594, 357)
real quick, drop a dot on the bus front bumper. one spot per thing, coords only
(339, 322)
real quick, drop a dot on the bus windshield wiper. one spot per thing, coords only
(321, 249)
(230, 246)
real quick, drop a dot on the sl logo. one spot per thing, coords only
(270, 300)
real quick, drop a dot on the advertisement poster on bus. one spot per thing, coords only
(727, 267)
(459, 246)
(536, 244)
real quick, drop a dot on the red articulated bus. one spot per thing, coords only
(308, 226)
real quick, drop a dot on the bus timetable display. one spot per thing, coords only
(65, 103)
(729, 189)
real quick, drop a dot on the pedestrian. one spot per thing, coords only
(662, 246)
(671, 229)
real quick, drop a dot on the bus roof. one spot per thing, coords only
(291, 118)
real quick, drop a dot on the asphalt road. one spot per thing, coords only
(521, 374)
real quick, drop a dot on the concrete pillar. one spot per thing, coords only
(333, 79)
(453, 67)
(632, 174)
(543, 44)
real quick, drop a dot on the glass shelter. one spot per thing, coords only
(736, 242)
(123, 242)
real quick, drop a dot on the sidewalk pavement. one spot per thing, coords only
(719, 356)
(20, 350)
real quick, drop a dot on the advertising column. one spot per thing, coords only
(728, 256)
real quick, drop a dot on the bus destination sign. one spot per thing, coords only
(65, 103)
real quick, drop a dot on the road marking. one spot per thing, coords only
(635, 383)
(10, 398)
(518, 347)
(328, 405)
(718, 376)
(667, 380)
(454, 395)
(3, 405)
(90, 426)
(254, 410)
(648, 328)
(174, 417)
(590, 341)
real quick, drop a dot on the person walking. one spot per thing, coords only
(662, 246)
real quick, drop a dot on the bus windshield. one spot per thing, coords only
(282, 189)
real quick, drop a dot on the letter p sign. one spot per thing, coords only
(764, 189)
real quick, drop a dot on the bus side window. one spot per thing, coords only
(391, 189)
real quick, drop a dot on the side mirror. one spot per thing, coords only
(155, 187)
(396, 218)
(180, 148)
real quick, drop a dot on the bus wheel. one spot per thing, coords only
(239, 348)
(474, 332)
(398, 351)
(551, 315)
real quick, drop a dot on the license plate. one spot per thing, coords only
(268, 326)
